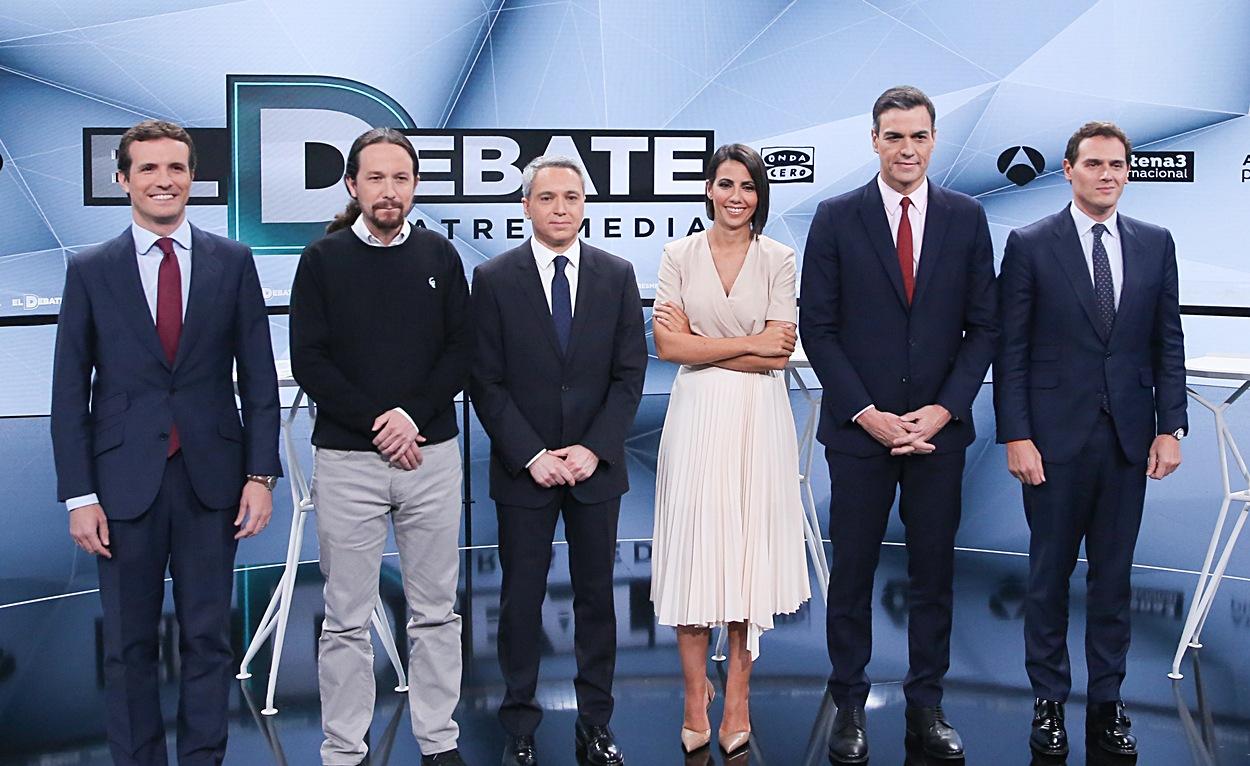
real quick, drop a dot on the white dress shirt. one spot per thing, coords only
(149, 258)
(545, 260)
(1110, 241)
(361, 230)
(915, 215)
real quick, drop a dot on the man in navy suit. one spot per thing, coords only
(151, 458)
(1089, 392)
(899, 321)
(557, 377)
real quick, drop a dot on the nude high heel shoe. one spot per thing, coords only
(692, 740)
(734, 741)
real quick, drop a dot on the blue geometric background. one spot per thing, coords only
(768, 73)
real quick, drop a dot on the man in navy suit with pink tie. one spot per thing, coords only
(156, 469)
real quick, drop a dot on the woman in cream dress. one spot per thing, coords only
(729, 548)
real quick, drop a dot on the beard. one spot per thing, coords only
(386, 217)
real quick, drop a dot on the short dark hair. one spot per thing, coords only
(150, 130)
(369, 138)
(1091, 129)
(902, 97)
(755, 166)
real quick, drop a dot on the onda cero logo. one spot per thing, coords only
(789, 164)
(1021, 164)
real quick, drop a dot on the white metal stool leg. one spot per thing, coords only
(383, 627)
(718, 654)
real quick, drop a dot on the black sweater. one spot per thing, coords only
(374, 328)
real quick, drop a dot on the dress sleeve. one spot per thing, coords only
(782, 306)
(668, 288)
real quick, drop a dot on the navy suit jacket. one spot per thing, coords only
(110, 431)
(529, 396)
(1054, 359)
(867, 345)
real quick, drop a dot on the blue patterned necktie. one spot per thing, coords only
(1104, 288)
(562, 304)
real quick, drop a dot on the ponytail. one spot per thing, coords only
(346, 218)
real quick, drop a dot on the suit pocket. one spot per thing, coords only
(105, 439)
(110, 405)
(1147, 377)
(230, 428)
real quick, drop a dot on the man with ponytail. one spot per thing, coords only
(380, 341)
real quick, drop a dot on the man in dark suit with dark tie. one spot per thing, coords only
(557, 378)
(151, 458)
(898, 317)
(1089, 393)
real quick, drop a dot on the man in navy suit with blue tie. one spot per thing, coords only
(899, 321)
(1089, 393)
(156, 469)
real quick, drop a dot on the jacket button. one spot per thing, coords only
(564, 388)
(905, 379)
(164, 437)
(1108, 354)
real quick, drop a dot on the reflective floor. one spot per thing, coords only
(51, 698)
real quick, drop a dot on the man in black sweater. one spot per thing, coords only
(380, 340)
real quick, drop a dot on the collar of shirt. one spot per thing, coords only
(145, 240)
(361, 230)
(894, 200)
(543, 255)
(1084, 224)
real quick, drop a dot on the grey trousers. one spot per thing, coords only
(355, 493)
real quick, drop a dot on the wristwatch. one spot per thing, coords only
(269, 481)
(1178, 434)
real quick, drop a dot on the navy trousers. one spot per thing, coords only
(862, 492)
(1097, 498)
(197, 545)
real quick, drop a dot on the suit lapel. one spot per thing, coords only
(935, 222)
(1131, 258)
(872, 213)
(589, 300)
(205, 280)
(1067, 249)
(531, 284)
(132, 302)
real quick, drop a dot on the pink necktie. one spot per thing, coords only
(169, 314)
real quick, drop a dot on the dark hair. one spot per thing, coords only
(368, 138)
(150, 130)
(901, 97)
(755, 166)
(1091, 129)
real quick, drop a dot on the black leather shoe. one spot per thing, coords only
(1108, 726)
(596, 745)
(1049, 737)
(446, 758)
(519, 751)
(938, 739)
(848, 741)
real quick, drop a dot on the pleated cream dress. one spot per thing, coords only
(728, 543)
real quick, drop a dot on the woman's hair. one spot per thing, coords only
(376, 136)
(755, 166)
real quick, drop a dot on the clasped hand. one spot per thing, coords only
(397, 439)
(909, 433)
(567, 465)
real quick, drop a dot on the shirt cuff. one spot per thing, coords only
(74, 503)
(861, 412)
(407, 417)
(531, 462)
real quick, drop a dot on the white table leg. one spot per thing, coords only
(383, 627)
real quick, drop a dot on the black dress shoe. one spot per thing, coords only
(1049, 737)
(938, 739)
(446, 758)
(519, 751)
(596, 745)
(848, 742)
(1108, 726)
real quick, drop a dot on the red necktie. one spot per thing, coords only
(169, 314)
(905, 252)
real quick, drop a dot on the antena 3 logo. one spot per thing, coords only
(1174, 167)
(789, 164)
(287, 137)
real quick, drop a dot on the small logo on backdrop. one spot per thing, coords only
(433, 284)
(1170, 167)
(789, 164)
(1245, 169)
(1021, 164)
(30, 302)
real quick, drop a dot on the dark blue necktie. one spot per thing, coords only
(1104, 287)
(562, 304)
